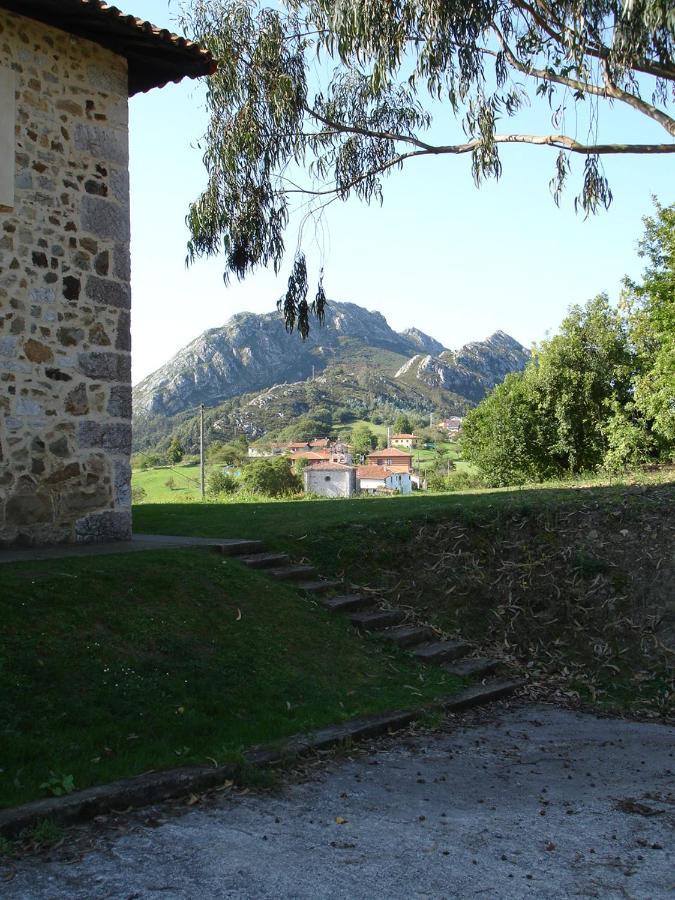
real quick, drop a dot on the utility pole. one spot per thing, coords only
(201, 450)
(388, 436)
(431, 420)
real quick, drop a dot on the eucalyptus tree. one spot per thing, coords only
(320, 100)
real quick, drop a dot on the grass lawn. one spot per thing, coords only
(431, 458)
(185, 480)
(115, 665)
(297, 523)
(379, 430)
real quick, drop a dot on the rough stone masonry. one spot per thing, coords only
(65, 297)
(65, 361)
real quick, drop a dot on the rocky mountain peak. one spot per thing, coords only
(422, 341)
(253, 352)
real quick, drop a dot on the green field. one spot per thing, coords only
(116, 665)
(286, 522)
(185, 487)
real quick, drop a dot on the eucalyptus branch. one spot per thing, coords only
(546, 74)
(617, 93)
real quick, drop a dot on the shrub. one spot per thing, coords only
(271, 477)
(138, 494)
(219, 483)
(454, 481)
(151, 460)
(170, 483)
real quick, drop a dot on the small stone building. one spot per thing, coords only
(330, 479)
(67, 68)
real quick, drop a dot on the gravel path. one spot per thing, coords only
(536, 802)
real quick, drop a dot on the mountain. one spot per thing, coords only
(253, 352)
(422, 341)
(470, 372)
(256, 378)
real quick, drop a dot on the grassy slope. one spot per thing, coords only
(600, 554)
(185, 478)
(286, 523)
(119, 664)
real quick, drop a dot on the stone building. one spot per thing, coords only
(330, 479)
(67, 68)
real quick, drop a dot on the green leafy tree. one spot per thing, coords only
(581, 374)
(481, 64)
(558, 417)
(505, 438)
(363, 441)
(230, 454)
(271, 477)
(175, 452)
(402, 424)
(651, 315)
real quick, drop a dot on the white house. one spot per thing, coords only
(373, 478)
(404, 440)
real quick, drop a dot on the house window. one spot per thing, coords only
(7, 120)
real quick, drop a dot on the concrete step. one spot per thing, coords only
(316, 587)
(292, 572)
(408, 635)
(478, 694)
(347, 602)
(240, 548)
(266, 560)
(441, 651)
(472, 668)
(377, 620)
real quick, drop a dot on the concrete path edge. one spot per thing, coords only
(155, 787)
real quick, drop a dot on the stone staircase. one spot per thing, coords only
(370, 614)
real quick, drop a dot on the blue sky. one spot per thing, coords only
(456, 261)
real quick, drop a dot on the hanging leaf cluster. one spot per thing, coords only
(315, 101)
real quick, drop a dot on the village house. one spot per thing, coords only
(404, 440)
(67, 70)
(314, 456)
(452, 425)
(330, 479)
(392, 456)
(374, 478)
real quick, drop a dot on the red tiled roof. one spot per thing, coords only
(375, 472)
(312, 454)
(389, 452)
(332, 466)
(319, 442)
(407, 437)
(155, 55)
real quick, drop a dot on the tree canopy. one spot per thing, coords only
(319, 100)
(600, 393)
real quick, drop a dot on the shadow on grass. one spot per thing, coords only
(284, 522)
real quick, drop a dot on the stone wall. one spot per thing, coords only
(65, 363)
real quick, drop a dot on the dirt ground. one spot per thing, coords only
(525, 801)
